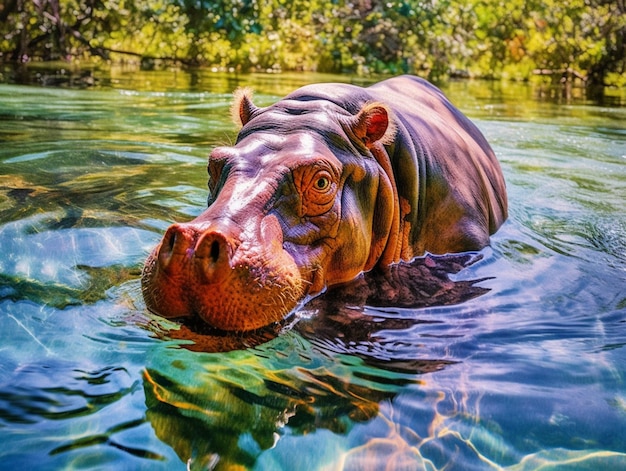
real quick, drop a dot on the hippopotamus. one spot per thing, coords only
(329, 182)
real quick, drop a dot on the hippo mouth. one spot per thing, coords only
(229, 286)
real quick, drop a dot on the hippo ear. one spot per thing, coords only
(242, 108)
(374, 124)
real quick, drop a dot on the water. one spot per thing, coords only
(517, 361)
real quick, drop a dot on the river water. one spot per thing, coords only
(516, 361)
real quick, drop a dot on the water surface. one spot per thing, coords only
(516, 361)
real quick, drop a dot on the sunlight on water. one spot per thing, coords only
(513, 358)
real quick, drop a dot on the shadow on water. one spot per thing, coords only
(222, 411)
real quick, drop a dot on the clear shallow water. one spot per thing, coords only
(526, 369)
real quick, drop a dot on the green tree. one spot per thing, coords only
(437, 38)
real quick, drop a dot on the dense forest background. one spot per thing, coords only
(512, 39)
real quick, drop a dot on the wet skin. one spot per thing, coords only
(331, 181)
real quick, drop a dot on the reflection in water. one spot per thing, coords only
(226, 414)
(232, 416)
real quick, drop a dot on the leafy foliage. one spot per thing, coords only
(487, 38)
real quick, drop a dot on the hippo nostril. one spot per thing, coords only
(171, 240)
(215, 251)
(212, 257)
(167, 249)
(177, 241)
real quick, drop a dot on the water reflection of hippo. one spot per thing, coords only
(329, 182)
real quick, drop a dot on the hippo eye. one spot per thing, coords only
(317, 188)
(322, 183)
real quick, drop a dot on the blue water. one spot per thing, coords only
(527, 371)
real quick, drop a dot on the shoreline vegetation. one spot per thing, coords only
(564, 41)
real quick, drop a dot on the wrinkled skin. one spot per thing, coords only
(329, 182)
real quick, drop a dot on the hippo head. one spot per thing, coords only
(299, 203)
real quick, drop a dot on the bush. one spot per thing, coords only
(484, 38)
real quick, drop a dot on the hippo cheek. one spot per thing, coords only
(232, 286)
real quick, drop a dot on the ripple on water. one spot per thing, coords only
(527, 374)
(67, 394)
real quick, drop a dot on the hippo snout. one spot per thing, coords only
(214, 272)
